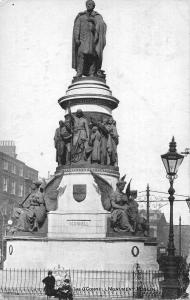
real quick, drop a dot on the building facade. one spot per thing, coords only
(159, 228)
(15, 182)
(8, 147)
(15, 179)
(157, 221)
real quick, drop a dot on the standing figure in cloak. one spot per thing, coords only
(59, 143)
(95, 140)
(89, 39)
(80, 132)
(104, 139)
(115, 141)
(62, 141)
(67, 137)
(112, 143)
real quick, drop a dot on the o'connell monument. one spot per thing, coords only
(86, 217)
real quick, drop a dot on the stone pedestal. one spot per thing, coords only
(80, 218)
(78, 232)
(79, 253)
(90, 94)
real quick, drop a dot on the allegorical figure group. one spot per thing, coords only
(77, 140)
(32, 212)
(123, 207)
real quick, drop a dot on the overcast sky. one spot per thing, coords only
(146, 60)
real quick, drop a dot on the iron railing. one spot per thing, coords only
(118, 284)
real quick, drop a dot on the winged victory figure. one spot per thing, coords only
(115, 202)
(122, 206)
(32, 212)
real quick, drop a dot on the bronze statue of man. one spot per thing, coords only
(89, 39)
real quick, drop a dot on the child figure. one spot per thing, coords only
(65, 291)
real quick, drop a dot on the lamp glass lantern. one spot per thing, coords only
(172, 160)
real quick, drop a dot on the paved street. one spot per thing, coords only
(18, 297)
(23, 297)
(27, 297)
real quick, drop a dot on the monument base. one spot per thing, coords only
(110, 253)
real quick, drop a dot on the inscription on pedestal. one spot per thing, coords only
(77, 225)
(82, 223)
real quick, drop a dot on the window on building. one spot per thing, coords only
(21, 171)
(20, 191)
(13, 187)
(5, 165)
(5, 184)
(13, 168)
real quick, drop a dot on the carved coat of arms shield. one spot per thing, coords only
(79, 192)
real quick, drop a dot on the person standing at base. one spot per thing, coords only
(49, 283)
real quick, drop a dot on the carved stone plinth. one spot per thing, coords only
(87, 253)
(92, 94)
(79, 211)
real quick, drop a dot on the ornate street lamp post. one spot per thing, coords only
(170, 286)
(171, 160)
